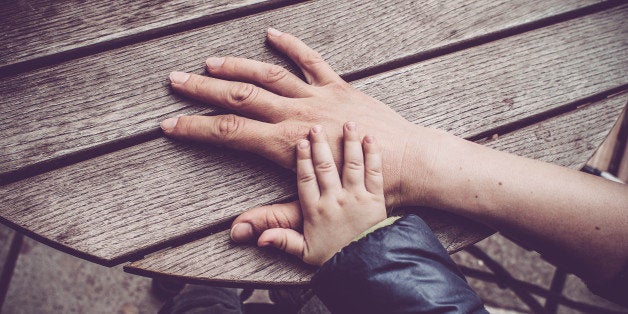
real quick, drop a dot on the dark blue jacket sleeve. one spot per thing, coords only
(401, 268)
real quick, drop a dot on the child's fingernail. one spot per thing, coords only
(350, 126)
(369, 139)
(214, 63)
(274, 32)
(241, 232)
(317, 129)
(179, 77)
(303, 144)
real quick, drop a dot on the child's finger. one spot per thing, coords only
(373, 178)
(306, 177)
(353, 167)
(324, 165)
(287, 240)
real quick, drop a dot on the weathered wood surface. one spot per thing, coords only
(547, 141)
(36, 28)
(136, 199)
(507, 80)
(84, 103)
(215, 259)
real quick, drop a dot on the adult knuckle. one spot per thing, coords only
(276, 219)
(274, 73)
(242, 93)
(228, 127)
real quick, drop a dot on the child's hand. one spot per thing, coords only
(335, 211)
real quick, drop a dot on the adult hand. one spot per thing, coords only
(422, 166)
(335, 210)
(275, 109)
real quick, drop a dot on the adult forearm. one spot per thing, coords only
(564, 213)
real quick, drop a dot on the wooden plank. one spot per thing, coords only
(555, 140)
(134, 199)
(500, 83)
(88, 102)
(215, 259)
(34, 28)
(226, 263)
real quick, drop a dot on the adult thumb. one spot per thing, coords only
(255, 221)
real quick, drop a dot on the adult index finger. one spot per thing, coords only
(244, 98)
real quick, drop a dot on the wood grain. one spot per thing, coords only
(216, 260)
(504, 81)
(131, 200)
(91, 101)
(555, 140)
(37, 28)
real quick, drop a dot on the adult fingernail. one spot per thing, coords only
(350, 126)
(241, 232)
(214, 63)
(179, 77)
(317, 129)
(273, 32)
(169, 124)
(369, 139)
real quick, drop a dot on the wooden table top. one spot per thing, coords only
(84, 86)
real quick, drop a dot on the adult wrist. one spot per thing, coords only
(425, 168)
